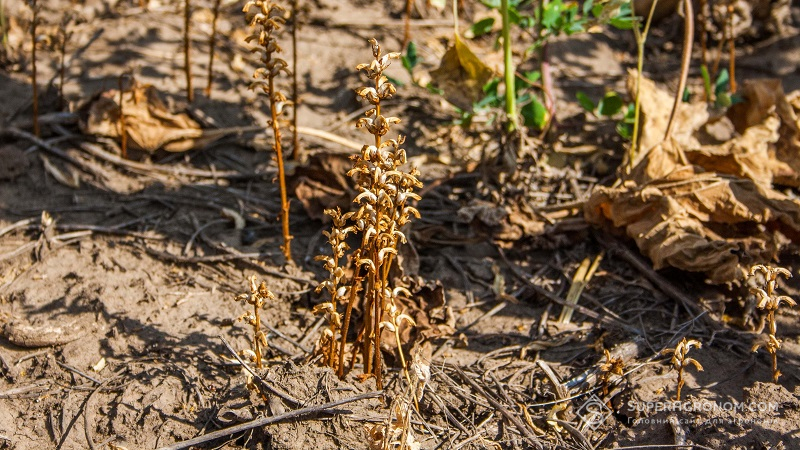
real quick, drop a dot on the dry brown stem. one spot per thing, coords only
(266, 18)
(187, 43)
(35, 11)
(212, 43)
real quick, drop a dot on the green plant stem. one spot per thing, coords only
(641, 38)
(508, 69)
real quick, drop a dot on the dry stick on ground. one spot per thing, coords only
(311, 410)
(529, 436)
(187, 43)
(275, 391)
(35, 10)
(672, 291)
(212, 43)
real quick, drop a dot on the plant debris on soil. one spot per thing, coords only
(545, 286)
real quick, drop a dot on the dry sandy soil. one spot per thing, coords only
(112, 319)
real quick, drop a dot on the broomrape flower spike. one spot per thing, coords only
(385, 191)
(769, 301)
(266, 18)
(681, 361)
(258, 296)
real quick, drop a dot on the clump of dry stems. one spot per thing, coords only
(680, 360)
(257, 298)
(187, 47)
(383, 209)
(769, 301)
(266, 18)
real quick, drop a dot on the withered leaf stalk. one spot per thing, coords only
(266, 18)
(769, 301)
(384, 207)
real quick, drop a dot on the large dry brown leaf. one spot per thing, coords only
(322, 184)
(701, 208)
(461, 75)
(148, 123)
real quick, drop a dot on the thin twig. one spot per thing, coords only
(280, 393)
(529, 436)
(320, 409)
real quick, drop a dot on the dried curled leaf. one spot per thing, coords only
(700, 208)
(150, 126)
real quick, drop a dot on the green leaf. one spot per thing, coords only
(534, 114)
(552, 13)
(585, 102)
(624, 19)
(610, 104)
(687, 95)
(721, 85)
(625, 130)
(482, 27)
(533, 76)
(494, 4)
(723, 100)
(395, 81)
(587, 6)
(490, 88)
(433, 89)
(410, 59)
(706, 80)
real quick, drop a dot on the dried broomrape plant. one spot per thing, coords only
(383, 209)
(266, 18)
(257, 298)
(681, 361)
(768, 300)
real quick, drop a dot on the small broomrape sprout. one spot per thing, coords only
(383, 209)
(258, 296)
(770, 302)
(681, 361)
(612, 366)
(266, 18)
